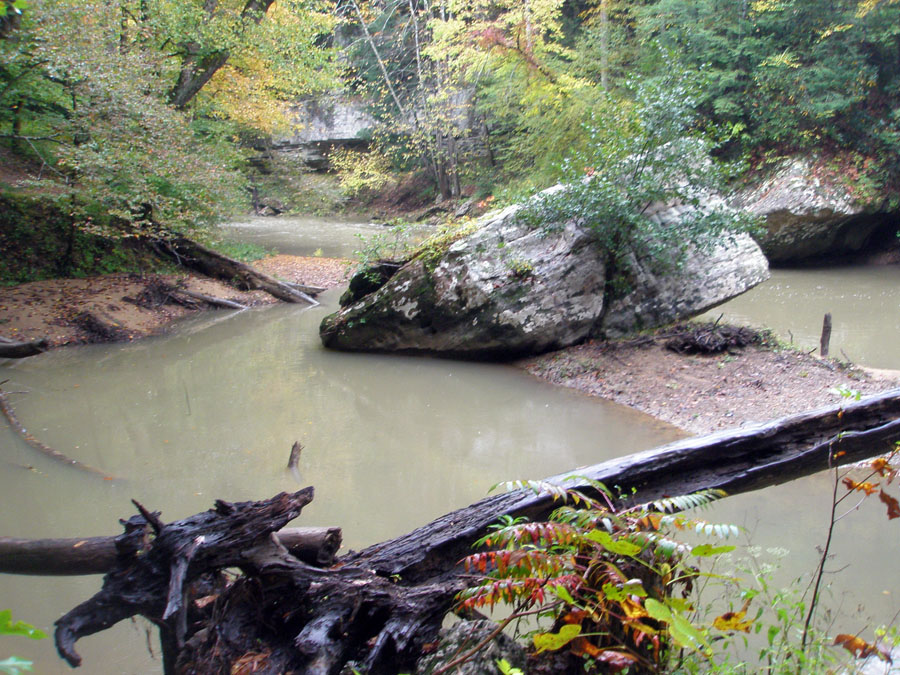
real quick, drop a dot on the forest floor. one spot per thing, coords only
(697, 393)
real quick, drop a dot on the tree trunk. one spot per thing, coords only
(211, 263)
(381, 606)
(197, 70)
(315, 546)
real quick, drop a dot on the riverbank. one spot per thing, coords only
(706, 393)
(56, 308)
(698, 393)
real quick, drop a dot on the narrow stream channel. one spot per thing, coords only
(211, 410)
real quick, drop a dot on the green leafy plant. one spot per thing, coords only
(361, 173)
(610, 587)
(14, 665)
(641, 154)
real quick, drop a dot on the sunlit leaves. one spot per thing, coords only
(605, 577)
(9, 627)
(860, 648)
(706, 550)
(682, 631)
(733, 621)
(684, 502)
(617, 546)
(867, 487)
(554, 641)
(14, 666)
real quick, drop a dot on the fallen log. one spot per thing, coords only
(210, 299)
(10, 349)
(379, 607)
(192, 255)
(315, 546)
(310, 290)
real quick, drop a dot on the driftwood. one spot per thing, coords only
(10, 349)
(97, 555)
(10, 414)
(379, 607)
(211, 263)
(310, 290)
(158, 292)
(211, 299)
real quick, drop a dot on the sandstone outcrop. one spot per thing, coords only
(810, 214)
(509, 290)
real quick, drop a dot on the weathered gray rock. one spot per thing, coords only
(464, 636)
(808, 215)
(508, 290)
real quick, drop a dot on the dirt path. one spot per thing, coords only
(703, 394)
(53, 308)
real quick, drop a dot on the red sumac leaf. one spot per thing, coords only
(893, 507)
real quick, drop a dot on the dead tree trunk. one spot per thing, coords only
(192, 255)
(380, 606)
(315, 546)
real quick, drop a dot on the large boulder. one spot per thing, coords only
(509, 290)
(810, 213)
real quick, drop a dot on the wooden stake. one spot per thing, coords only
(826, 335)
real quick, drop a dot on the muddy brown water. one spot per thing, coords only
(211, 411)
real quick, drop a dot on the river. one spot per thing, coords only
(211, 410)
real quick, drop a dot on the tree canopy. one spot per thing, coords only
(137, 104)
(146, 105)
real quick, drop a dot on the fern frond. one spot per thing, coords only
(685, 502)
(518, 563)
(538, 487)
(681, 522)
(532, 590)
(587, 519)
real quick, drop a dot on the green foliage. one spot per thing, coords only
(392, 243)
(96, 92)
(639, 155)
(13, 665)
(623, 589)
(360, 173)
(610, 586)
(240, 250)
(46, 237)
(792, 75)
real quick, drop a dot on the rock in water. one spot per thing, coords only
(510, 290)
(810, 213)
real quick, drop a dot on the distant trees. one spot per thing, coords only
(501, 91)
(789, 75)
(135, 104)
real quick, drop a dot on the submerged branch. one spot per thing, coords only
(16, 425)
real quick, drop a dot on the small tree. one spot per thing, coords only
(643, 152)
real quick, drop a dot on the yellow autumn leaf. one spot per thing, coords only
(732, 621)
